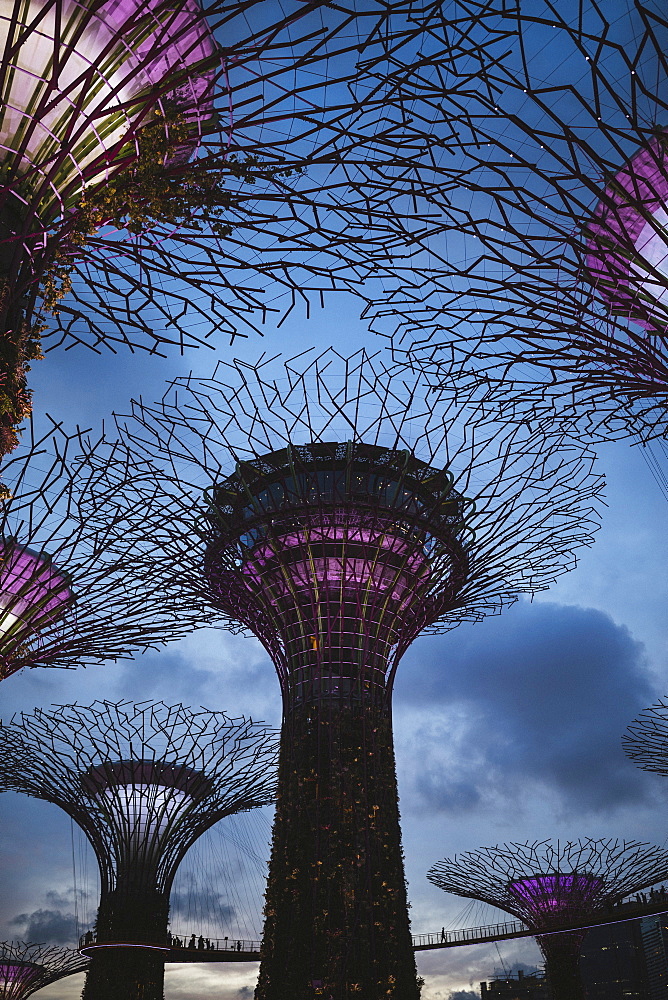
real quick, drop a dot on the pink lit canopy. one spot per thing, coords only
(563, 895)
(627, 252)
(65, 122)
(33, 593)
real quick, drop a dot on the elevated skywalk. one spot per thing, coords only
(189, 948)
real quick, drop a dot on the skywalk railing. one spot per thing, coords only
(470, 935)
(222, 949)
(178, 942)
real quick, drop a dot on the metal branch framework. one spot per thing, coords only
(336, 510)
(169, 174)
(550, 886)
(522, 502)
(547, 261)
(26, 968)
(72, 593)
(143, 781)
(646, 739)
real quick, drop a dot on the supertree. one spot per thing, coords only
(72, 594)
(551, 886)
(548, 267)
(26, 968)
(169, 172)
(143, 781)
(336, 513)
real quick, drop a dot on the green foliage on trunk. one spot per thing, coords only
(336, 915)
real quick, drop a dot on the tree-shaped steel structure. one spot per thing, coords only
(551, 885)
(71, 594)
(549, 265)
(646, 739)
(26, 968)
(336, 513)
(130, 136)
(143, 781)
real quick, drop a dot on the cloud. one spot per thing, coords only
(464, 995)
(540, 696)
(210, 668)
(61, 900)
(48, 926)
(202, 902)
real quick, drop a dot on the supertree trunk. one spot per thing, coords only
(562, 964)
(128, 915)
(19, 335)
(336, 908)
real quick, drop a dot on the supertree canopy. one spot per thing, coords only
(551, 886)
(26, 968)
(549, 265)
(646, 739)
(336, 512)
(72, 594)
(116, 61)
(85, 89)
(143, 782)
(627, 256)
(169, 173)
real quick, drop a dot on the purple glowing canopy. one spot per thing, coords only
(64, 122)
(15, 973)
(26, 968)
(348, 556)
(627, 249)
(170, 36)
(560, 895)
(33, 592)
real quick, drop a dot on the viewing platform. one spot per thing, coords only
(184, 949)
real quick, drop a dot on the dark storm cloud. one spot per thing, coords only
(197, 901)
(464, 995)
(49, 926)
(541, 694)
(61, 900)
(211, 668)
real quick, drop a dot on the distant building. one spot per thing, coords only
(625, 961)
(533, 987)
(612, 963)
(654, 934)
